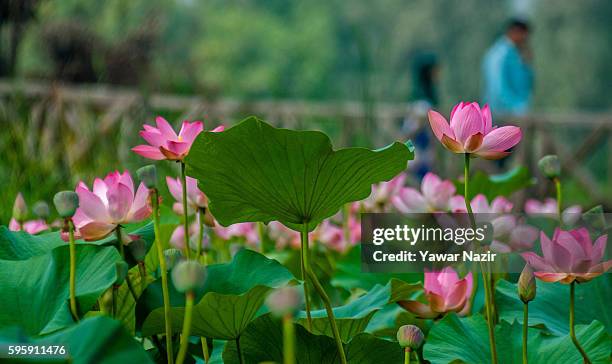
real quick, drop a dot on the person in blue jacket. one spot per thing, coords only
(507, 71)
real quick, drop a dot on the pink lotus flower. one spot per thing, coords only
(480, 205)
(283, 236)
(332, 236)
(471, 131)
(382, 194)
(31, 227)
(111, 203)
(548, 207)
(177, 239)
(164, 143)
(246, 230)
(570, 256)
(444, 292)
(435, 196)
(510, 234)
(195, 198)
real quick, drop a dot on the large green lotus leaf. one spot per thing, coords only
(99, 339)
(504, 184)
(354, 317)
(230, 300)
(19, 245)
(262, 341)
(255, 172)
(551, 305)
(35, 291)
(465, 340)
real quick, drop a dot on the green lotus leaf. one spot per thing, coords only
(262, 341)
(230, 300)
(255, 172)
(35, 291)
(97, 339)
(504, 184)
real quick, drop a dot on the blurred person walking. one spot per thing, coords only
(507, 71)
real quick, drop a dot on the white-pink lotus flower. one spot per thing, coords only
(111, 202)
(471, 131)
(246, 230)
(480, 205)
(435, 195)
(382, 193)
(548, 207)
(195, 198)
(31, 227)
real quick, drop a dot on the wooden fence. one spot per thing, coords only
(114, 106)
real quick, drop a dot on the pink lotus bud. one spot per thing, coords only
(410, 336)
(148, 175)
(20, 208)
(284, 301)
(549, 166)
(527, 285)
(188, 275)
(66, 203)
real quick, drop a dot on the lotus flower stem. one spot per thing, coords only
(164, 274)
(200, 234)
(485, 275)
(557, 182)
(122, 251)
(205, 349)
(185, 214)
(288, 340)
(240, 355)
(571, 325)
(189, 298)
(143, 276)
(525, 326)
(407, 352)
(73, 303)
(303, 265)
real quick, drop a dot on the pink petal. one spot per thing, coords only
(491, 155)
(140, 209)
(419, 309)
(551, 277)
(431, 282)
(537, 262)
(153, 137)
(177, 240)
(148, 151)
(429, 183)
(179, 148)
(487, 119)
(175, 187)
(458, 106)
(452, 144)
(501, 139)
(480, 204)
(218, 129)
(439, 125)
(456, 296)
(14, 225)
(457, 204)
(466, 122)
(599, 249)
(35, 226)
(189, 131)
(473, 142)
(409, 200)
(96, 230)
(91, 205)
(126, 179)
(165, 129)
(500, 204)
(120, 200)
(99, 189)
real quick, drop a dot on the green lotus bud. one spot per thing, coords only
(172, 257)
(66, 203)
(20, 208)
(138, 249)
(410, 336)
(148, 175)
(550, 166)
(122, 271)
(527, 285)
(188, 275)
(41, 209)
(284, 301)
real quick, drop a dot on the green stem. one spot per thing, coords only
(571, 323)
(122, 251)
(485, 277)
(182, 354)
(114, 295)
(261, 234)
(200, 233)
(185, 212)
(288, 340)
(164, 275)
(319, 288)
(205, 352)
(525, 326)
(557, 182)
(240, 355)
(303, 265)
(143, 276)
(73, 302)
(407, 356)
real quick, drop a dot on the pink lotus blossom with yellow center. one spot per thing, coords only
(165, 143)
(570, 256)
(110, 203)
(444, 292)
(471, 131)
